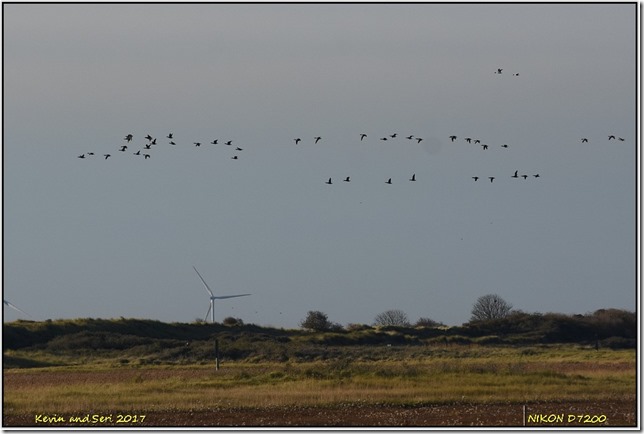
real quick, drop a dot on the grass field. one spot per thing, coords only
(455, 376)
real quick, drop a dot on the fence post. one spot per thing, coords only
(216, 354)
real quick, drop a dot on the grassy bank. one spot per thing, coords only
(450, 375)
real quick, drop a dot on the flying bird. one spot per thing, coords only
(536, 176)
(611, 137)
(317, 139)
(413, 177)
(475, 178)
(197, 143)
(620, 139)
(238, 149)
(419, 139)
(516, 174)
(584, 140)
(476, 141)
(148, 146)
(106, 156)
(362, 136)
(128, 137)
(214, 142)
(491, 178)
(172, 143)
(499, 71)
(81, 156)
(137, 153)
(298, 140)
(348, 179)
(229, 143)
(524, 176)
(329, 181)
(149, 137)
(234, 157)
(393, 136)
(484, 146)
(388, 181)
(452, 137)
(468, 139)
(153, 142)
(504, 146)
(146, 156)
(123, 148)
(383, 138)
(410, 137)
(169, 136)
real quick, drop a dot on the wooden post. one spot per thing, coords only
(216, 354)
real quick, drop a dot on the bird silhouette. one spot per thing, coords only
(197, 143)
(90, 153)
(229, 143)
(499, 71)
(468, 139)
(329, 181)
(452, 137)
(491, 178)
(383, 138)
(584, 140)
(524, 176)
(410, 137)
(234, 157)
(146, 156)
(504, 146)
(413, 177)
(123, 148)
(388, 181)
(484, 146)
(516, 174)
(475, 178)
(394, 135)
(172, 143)
(238, 149)
(137, 153)
(148, 146)
(362, 136)
(128, 138)
(317, 139)
(348, 179)
(214, 142)
(476, 141)
(536, 176)
(298, 140)
(620, 139)
(169, 136)
(81, 156)
(107, 156)
(516, 74)
(149, 137)
(611, 137)
(419, 139)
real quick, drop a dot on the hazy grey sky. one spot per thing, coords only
(118, 237)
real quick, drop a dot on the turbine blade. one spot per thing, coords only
(204, 282)
(208, 313)
(15, 307)
(231, 296)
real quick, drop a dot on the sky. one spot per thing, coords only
(118, 237)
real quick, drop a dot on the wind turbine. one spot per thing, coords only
(15, 307)
(211, 308)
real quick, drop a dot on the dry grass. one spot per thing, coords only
(480, 376)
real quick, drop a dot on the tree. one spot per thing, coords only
(393, 317)
(316, 320)
(490, 306)
(427, 322)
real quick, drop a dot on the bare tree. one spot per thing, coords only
(490, 306)
(392, 317)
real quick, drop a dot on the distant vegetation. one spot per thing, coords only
(140, 342)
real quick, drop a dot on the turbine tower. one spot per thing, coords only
(15, 307)
(211, 308)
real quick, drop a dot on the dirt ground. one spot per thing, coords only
(614, 414)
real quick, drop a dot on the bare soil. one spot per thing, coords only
(613, 414)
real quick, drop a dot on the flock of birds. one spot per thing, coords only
(145, 151)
